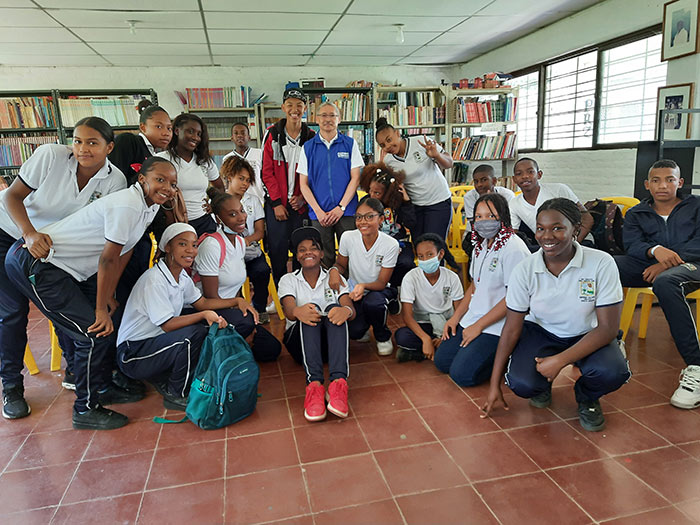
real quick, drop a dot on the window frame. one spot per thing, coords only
(541, 69)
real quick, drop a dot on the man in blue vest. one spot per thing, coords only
(329, 169)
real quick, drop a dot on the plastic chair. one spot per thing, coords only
(361, 194)
(29, 361)
(154, 248)
(631, 296)
(454, 238)
(625, 203)
(459, 191)
(56, 354)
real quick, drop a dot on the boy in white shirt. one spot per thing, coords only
(240, 136)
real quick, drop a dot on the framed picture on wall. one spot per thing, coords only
(680, 29)
(678, 96)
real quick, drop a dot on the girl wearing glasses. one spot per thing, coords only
(370, 257)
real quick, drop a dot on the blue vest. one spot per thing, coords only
(329, 172)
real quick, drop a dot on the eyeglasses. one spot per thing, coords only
(328, 115)
(367, 217)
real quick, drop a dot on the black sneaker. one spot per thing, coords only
(13, 404)
(126, 383)
(68, 380)
(394, 306)
(408, 354)
(117, 395)
(99, 418)
(170, 401)
(590, 415)
(542, 400)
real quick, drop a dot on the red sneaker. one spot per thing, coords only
(338, 398)
(314, 407)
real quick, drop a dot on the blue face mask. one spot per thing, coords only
(228, 230)
(429, 266)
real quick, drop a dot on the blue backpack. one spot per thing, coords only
(225, 385)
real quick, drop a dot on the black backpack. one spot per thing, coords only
(607, 226)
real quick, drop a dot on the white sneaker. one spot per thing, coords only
(687, 395)
(364, 338)
(385, 347)
(270, 308)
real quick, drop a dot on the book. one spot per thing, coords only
(223, 97)
(27, 112)
(117, 110)
(15, 150)
(499, 108)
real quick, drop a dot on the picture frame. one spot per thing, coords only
(676, 96)
(680, 29)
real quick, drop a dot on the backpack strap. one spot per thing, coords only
(222, 244)
(162, 420)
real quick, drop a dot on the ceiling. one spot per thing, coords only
(265, 32)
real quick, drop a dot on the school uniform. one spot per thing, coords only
(51, 174)
(64, 285)
(561, 310)
(129, 152)
(398, 224)
(254, 158)
(432, 304)
(472, 196)
(255, 263)
(426, 186)
(523, 215)
(308, 344)
(193, 180)
(363, 267)
(231, 274)
(144, 349)
(491, 270)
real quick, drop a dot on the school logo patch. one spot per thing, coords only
(446, 291)
(378, 259)
(328, 294)
(586, 290)
(493, 265)
(343, 155)
(418, 156)
(95, 195)
(249, 209)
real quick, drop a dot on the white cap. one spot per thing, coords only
(173, 231)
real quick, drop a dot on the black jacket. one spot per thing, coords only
(129, 149)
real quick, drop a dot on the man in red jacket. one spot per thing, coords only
(285, 208)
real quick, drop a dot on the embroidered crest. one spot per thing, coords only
(378, 259)
(328, 294)
(586, 290)
(493, 265)
(417, 155)
(446, 291)
(95, 195)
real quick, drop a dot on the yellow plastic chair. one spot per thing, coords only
(459, 191)
(361, 194)
(625, 203)
(454, 238)
(154, 248)
(29, 361)
(631, 296)
(56, 354)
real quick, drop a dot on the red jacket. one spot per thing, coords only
(274, 165)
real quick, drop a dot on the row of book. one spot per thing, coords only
(118, 111)
(353, 107)
(413, 115)
(223, 97)
(220, 128)
(481, 147)
(27, 112)
(472, 110)
(15, 150)
(413, 98)
(364, 138)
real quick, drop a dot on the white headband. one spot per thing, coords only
(173, 231)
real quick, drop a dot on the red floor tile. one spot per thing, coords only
(187, 433)
(643, 363)
(270, 388)
(674, 424)
(453, 505)
(198, 503)
(377, 399)
(690, 509)
(519, 413)
(670, 471)
(299, 520)
(565, 406)
(433, 391)
(362, 352)
(149, 407)
(368, 374)
(139, 436)
(51, 448)
(294, 383)
(268, 416)
(395, 429)
(31, 517)
(456, 419)
(555, 445)
(532, 498)
(31, 489)
(606, 490)
(260, 452)
(418, 468)
(9, 446)
(384, 512)
(665, 382)
(633, 395)
(57, 417)
(178, 465)
(623, 435)
(692, 448)
(342, 482)
(334, 439)
(113, 510)
(488, 456)
(112, 476)
(266, 496)
(18, 427)
(412, 370)
(269, 369)
(665, 516)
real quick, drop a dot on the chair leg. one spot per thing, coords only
(56, 351)
(628, 311)
(647, 300)
(29, 361)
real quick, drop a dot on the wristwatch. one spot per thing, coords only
(342, 208)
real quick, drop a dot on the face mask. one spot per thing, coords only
(488, 228)
(429, 266)
(228, 230)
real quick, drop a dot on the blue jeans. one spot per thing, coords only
(470, 365)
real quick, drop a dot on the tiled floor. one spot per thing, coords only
(414, 450)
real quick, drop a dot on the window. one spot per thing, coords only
(528, 96)
(631, 75)
(570, 102)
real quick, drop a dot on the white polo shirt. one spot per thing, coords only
(51, 172)
(254, 212)
(565, 305)
(491, 270)
(155, 299)
(291, 151)
(232, 273)
(193, 181)
(79, 239)
(425, 183)
(322, 295)
(472, 196)
(151, 147)
(364, 265)
(429, 298)
(355, 157)
(254, 158)
(523, 211)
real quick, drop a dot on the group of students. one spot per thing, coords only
(74, 239)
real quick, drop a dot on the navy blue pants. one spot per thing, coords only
(14, 312)
(265, 347)
(204, 224)
(67, 347)
(70, 305)
(404, 263)
(278, 234)
(435, 218)
(170, 357)
(309, 344)
(259, 274)
(470, 365)
(332, 234)
(670, 288)
(372, 310)
(602, 372)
